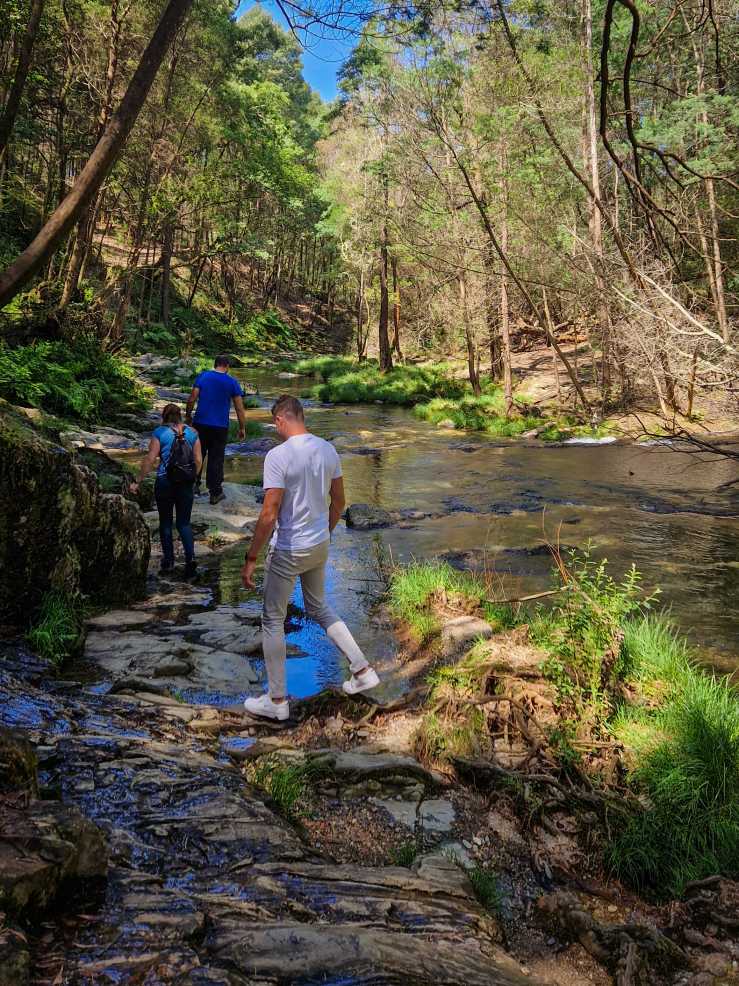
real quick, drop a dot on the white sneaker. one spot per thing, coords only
(266, 708)
(362, 682)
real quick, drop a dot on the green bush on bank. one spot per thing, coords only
(486, 413)
(77, 380)
(345, 381)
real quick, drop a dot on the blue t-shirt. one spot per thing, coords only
(217, 390)
(166, 437)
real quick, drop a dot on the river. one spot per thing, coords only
(675, 516)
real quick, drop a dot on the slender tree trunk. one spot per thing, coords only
(469, 337)
(505, 331)
(386, 356)
(86, 225)
(100, 161)
(396, 309)
(166, 260)
(552, 333)
(595, 219)
(23, 65)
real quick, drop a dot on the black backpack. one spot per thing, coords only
(181, 462)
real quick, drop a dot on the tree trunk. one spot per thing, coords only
(166, 260)
(386, 356)
(396, 310)
(10, 110)
(595, 219)
(86, 225)
(505, 331)
(469, 337)
(100, 161)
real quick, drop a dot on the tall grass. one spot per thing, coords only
(690, 826)
(414, 589)
(57, 632)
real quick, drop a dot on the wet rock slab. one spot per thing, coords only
(206, 885)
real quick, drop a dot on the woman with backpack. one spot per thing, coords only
(180, 459)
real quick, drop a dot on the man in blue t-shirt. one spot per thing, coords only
(213, 392)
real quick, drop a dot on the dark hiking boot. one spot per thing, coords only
(216, 498)
(191, 569)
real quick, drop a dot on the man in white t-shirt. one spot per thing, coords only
(303, 501)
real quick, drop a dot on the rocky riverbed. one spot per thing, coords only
(141, 854)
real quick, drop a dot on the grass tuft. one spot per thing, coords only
(486, 887)
(58, 631)
(285, 783)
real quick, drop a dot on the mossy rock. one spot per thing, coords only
(59, 529)
(18, 764)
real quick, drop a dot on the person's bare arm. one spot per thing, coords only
(338, 502)
(262, 534)
(191, 402)
(241, 415)
(147, 465)
(197, 453)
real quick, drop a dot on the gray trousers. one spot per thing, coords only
(281, 570)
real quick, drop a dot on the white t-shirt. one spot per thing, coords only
(303, 467)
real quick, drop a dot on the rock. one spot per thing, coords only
(403, 812)
(457, 853)
(62, 846)
(103, 438)
(439, 868)
(445, 423)
(353, 767)
(461, 632)
(59, 529)
(134, 658)
(120, 619)
(286, 375)
(172, 667)
(15, 959)
(437, 816)
(18, 764)
(363, 517)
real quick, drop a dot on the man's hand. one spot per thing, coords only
(242, 433)
(247, 574)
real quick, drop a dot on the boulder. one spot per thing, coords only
(364, 517)
(462, 632)
(58, 529)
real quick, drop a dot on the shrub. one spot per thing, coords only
(57, 632)
(584, 634)
(72, 380)
(348, 382)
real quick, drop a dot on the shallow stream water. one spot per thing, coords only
(494, 505)
(674, 515)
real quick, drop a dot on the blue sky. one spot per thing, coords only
(322, 58)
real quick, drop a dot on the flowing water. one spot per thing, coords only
(674, 515)
(495, 504)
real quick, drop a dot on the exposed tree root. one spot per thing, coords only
(636, 954)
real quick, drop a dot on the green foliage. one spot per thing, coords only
(285, 783)
(72, 380)
(486, 887)
(486, 413)
(583, 634)
(57, 632)
(689, 827)
(404, 854)
(253, 430)
(413, 589)
(348, 382)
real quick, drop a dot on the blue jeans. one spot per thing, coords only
(174, 498)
